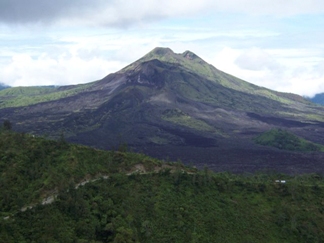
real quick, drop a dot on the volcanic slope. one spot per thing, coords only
(173, 106)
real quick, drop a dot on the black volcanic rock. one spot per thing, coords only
(174, 106)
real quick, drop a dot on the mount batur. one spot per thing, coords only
(177, 106)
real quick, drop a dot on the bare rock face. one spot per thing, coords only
(174, 106)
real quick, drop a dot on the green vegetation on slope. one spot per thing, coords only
(282, 139)
(133, 198)
(32, 168)
(177, 207)
(24, 96)
(179, 117)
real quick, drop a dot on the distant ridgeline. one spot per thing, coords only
(318, 99)
(117, 196)
(3, 86)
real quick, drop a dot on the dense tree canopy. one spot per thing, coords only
(117, 196)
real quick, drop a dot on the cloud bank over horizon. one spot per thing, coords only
(273, 44)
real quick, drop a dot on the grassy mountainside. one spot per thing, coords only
(133, 198)
(25, 96)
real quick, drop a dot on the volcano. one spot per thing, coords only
(174, 106)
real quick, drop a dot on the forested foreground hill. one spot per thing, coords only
(116, 196)
(34, 168)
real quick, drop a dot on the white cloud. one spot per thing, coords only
(23, 70)
(257, 59)
(282, 71)
(320, 69)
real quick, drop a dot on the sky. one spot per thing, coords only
(271, 43)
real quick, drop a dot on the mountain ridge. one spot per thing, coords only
(317, 99)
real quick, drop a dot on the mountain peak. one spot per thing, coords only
(187, 59)
(161, 51)
(166, 54)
